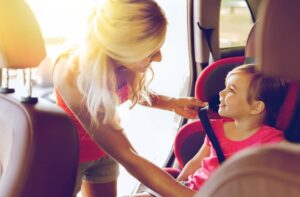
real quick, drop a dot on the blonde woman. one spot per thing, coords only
(123, 38)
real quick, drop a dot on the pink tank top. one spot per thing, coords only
(89, 150)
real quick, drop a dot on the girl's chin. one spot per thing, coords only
(221, 113)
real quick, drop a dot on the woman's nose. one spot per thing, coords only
(156, 57)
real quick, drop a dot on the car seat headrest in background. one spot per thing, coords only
(21, 41)
(278, 40)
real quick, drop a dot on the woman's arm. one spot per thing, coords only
(195, 163)
(116, 144)
(185, 106)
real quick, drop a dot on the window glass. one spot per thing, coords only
(235, 23)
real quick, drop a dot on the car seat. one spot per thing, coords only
(39, 148)
(209, 83)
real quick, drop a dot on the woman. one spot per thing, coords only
(123, 38)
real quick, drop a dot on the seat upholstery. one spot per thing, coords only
(260, 172)
(188, 141)
(39, 147)
(277, 43)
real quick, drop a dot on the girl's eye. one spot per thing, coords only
(230, 90)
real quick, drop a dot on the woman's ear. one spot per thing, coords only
(257, 107)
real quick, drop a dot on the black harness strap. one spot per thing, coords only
(210, 133)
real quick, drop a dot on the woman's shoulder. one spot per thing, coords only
(64, 76)
(68, 59)
(65, 68)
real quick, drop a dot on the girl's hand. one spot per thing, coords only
(187, 106)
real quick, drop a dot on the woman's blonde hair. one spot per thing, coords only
(121, 32)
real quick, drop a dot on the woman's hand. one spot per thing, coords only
(187, 106)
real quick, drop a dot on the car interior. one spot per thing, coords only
(39, 143)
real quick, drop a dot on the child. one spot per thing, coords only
(251, 101)
(123, 38)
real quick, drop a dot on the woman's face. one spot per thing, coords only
(144, 64)
(233, 99)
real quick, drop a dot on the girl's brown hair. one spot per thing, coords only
(263, 88)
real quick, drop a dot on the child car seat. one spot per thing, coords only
(208, 85)
(210, 81)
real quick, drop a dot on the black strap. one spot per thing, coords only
(210, 133)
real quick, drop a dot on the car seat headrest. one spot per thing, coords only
(21, 42)
(277, 39)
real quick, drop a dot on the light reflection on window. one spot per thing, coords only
(62, 21)
(235, 23)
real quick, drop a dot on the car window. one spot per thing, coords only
(235, 23)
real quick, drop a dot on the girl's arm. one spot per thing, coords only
(195, 163)
(185, 106)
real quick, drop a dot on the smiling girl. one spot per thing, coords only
(249, 104)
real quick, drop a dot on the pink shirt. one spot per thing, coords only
(89, 150)
(265, 134)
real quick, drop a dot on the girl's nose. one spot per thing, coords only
(221, 93)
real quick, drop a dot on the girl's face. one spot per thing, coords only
(233, 99)
(143, 65)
